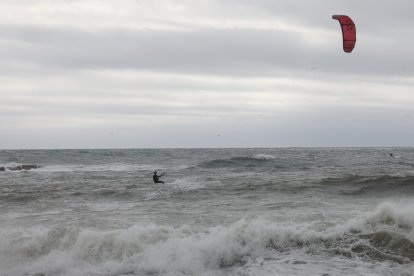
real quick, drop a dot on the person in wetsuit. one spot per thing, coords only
(156, 178)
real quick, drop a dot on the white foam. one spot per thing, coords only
(255, 246)
(188, 183)
(396, 215)
(264, 157)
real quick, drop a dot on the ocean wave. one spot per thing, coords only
(358, 184)
(384, 246)
(262, 156)
(239, 161)
(395, 214)
(116, 167)
(180, 185)
(188, 184)
(17, 167)
(385, 234)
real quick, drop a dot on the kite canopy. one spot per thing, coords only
(348, 32)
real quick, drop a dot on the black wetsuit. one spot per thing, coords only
(156, 178)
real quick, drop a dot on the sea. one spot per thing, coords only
(247, 211)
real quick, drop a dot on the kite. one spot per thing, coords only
(348, 32)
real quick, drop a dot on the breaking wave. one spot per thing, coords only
(386, 234)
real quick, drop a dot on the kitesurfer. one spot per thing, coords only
(156, 178)
(404, 161)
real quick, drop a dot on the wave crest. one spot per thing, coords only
(385, 234)
(239, 161)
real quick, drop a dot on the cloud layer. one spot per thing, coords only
(138, 73)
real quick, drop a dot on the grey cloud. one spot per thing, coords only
(215, 51)
(184, 84)
(370, 15)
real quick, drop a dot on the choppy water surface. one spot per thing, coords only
(321, 211)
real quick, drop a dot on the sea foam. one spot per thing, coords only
(157, 249)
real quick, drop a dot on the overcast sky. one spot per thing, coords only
(204, 73)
